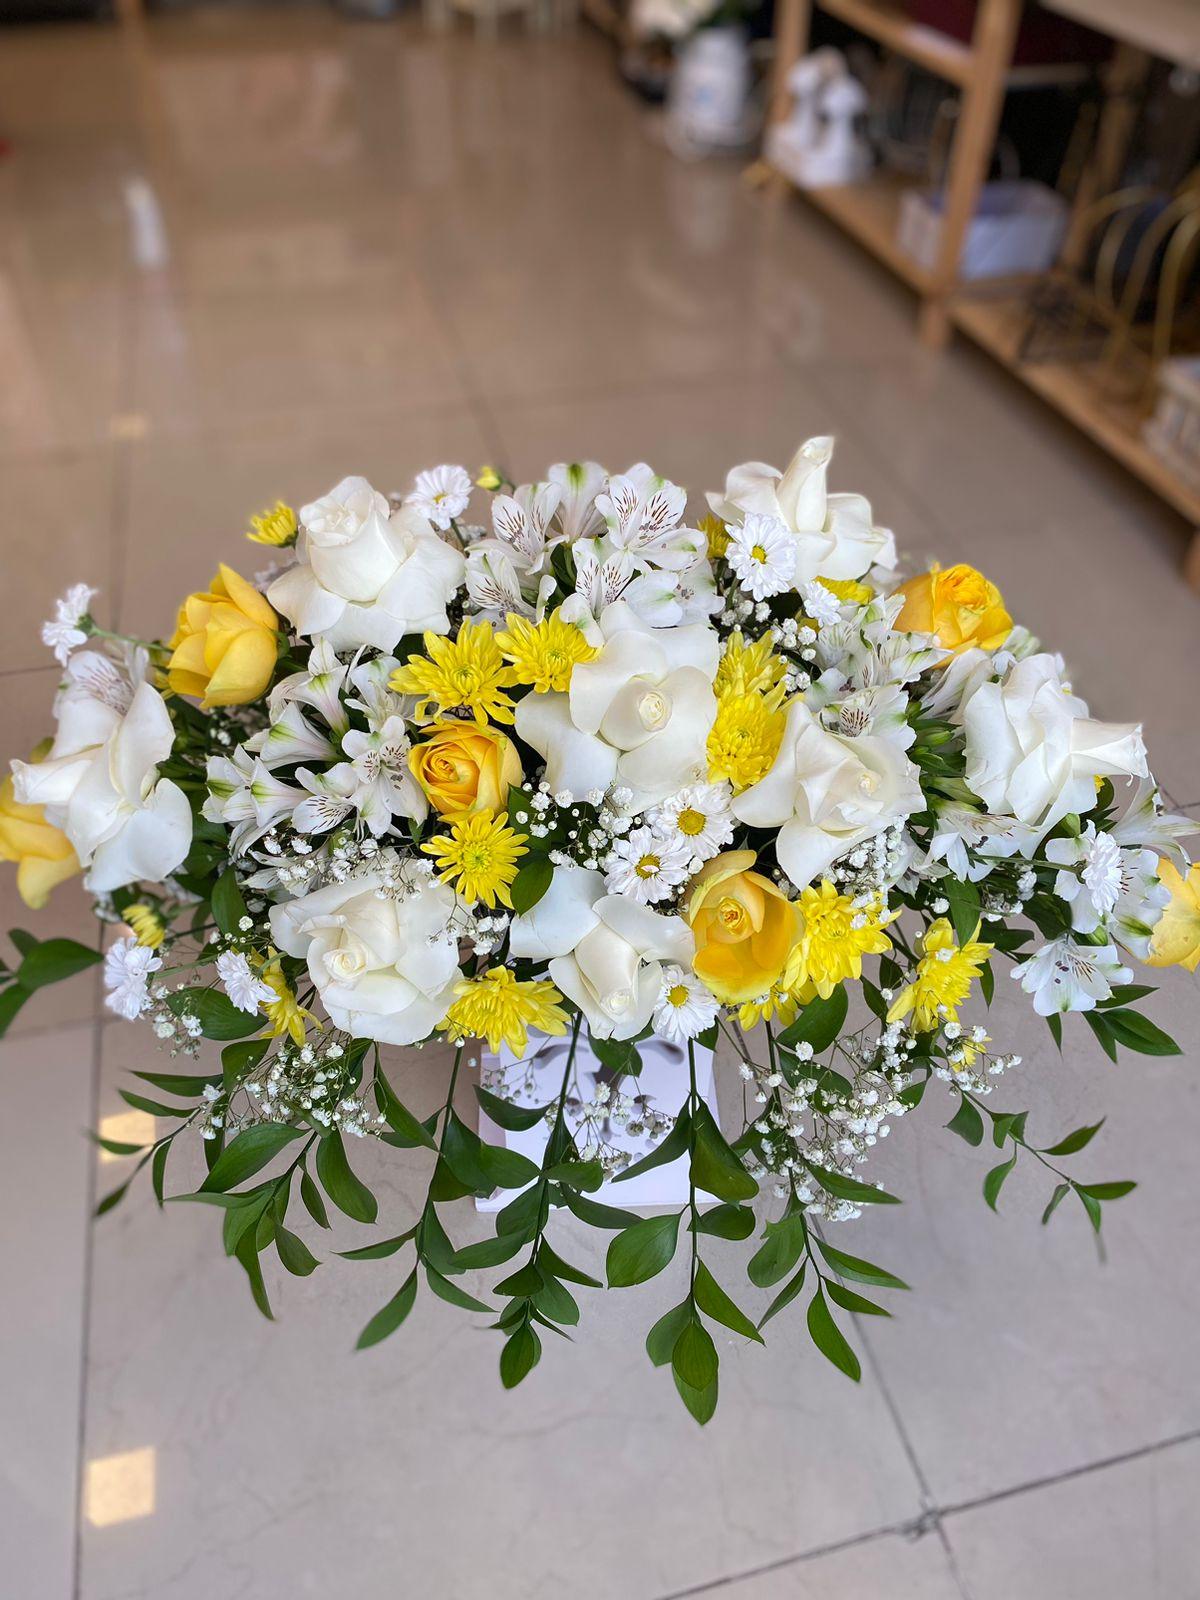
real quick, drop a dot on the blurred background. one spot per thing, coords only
(246, 249)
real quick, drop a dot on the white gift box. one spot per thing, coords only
(1018, 227)
(663, 1080)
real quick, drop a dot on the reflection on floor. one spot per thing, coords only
(241, 256)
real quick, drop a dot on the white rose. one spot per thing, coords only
(100, 781)
(638, 715)
(614, 972)
(1032, 750)
(834, 534)
(364, 575)
(384, 965)
(826, 793)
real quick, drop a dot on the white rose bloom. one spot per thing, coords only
(638, 715)
(833, 533)
(1032, 751)
(614, 974)
(826, 793)
(384, 964)
(100, 781)
(365, 575)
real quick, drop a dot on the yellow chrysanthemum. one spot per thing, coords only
(544, 653)
(744, 740)
(848, 589)
(455, 675)
(501, 1009)
(837, 935)
(717, 534)
(284, 1013)
(479, 856)
(943, 978)
(277, 526)
(781, 1004)
(750, 669)
(146, 924)
(488, 478)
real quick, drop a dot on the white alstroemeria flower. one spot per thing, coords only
(1065, 976)
(1106, 885)
(971, 842)
(64, 631)
(762, 554)
(882, 712)
(380, 948)
(493, 582)
(329, 801)
(699, 816)
(384, 785)
(638, 715)
(127, 969)
(578, 483)
(319, 688)
(833, 533)
(522, 521)
(373, 694)
(827, 794)
(440, 495)
(1146, 824)
(643, 514)
(365, 575)
(950, 689)
(647, 866)
(684, 1009)
(241, 983)
(614, 973)
(100, 785)
(1033, 752)
(291, 737)
(245, 795)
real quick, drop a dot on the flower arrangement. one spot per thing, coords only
(595, 771)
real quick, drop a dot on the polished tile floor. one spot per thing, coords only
(240, 257)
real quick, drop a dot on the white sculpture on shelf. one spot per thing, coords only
(821, 143)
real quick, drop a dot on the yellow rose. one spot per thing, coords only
(744, 926)
(43, 853)
(463, 767)
(1176, 939)
(224, 649)
(959, 605)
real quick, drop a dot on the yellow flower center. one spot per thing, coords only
(692, 822)
(648, 867)
(758, 553)
(677, 994)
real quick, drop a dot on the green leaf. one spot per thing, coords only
(784, 1298)
(967, 1122)
(1098, 1023)
(1126, 993)
(642, 1251)
(987, 983)
(576, 1174)
(313, 1202)
(702, 1403)
(521, 1284)
(513, 1118)
(850, 1301)
(388, 1319)
(158, 1171)
(694, 1358)
(54, 960)
(11, 1001)
(675, 1144)
(555, 1264)
(1056, 1199)
(504, 1168)
(856, 1268)
(379, 1251)
(557, 1302)
(451, 1293)
(819, 1023)
(488, 1252)
(521, 1353)
(1107, 1191)
(294, 1253)
(228, 907)
(994, 1181)
(533, 878)
(597, 1215)
(239, 1059)
(178, 1083)
(112, 1199)
(715, 1166)
(1055, 1026)
(1091, 1205)
(247, 1153)
(660, 1341)
(1138, 1033)
(1075, 1141)
(247, 1254)
(621, 1056)
(219, 1017)
(523, 1215)
(850, 1188)
(782, 1248)
(347, 1191)
(713, 1300)
(398, 1117)
(829, 1338)
(726, 1222)
(963, 896)
(152, 1108)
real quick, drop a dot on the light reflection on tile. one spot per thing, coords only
(121, 1487)
(126, 1127)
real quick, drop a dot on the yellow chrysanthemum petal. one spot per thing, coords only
(501, 1009)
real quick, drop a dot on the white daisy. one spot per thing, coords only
(441, 494)
(1065, 976)
(699, 816)
(63, 632)
(762, 554)
(646, 866)
(127, 969)
(820, 605)
(684, 1007)
(241, 983)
